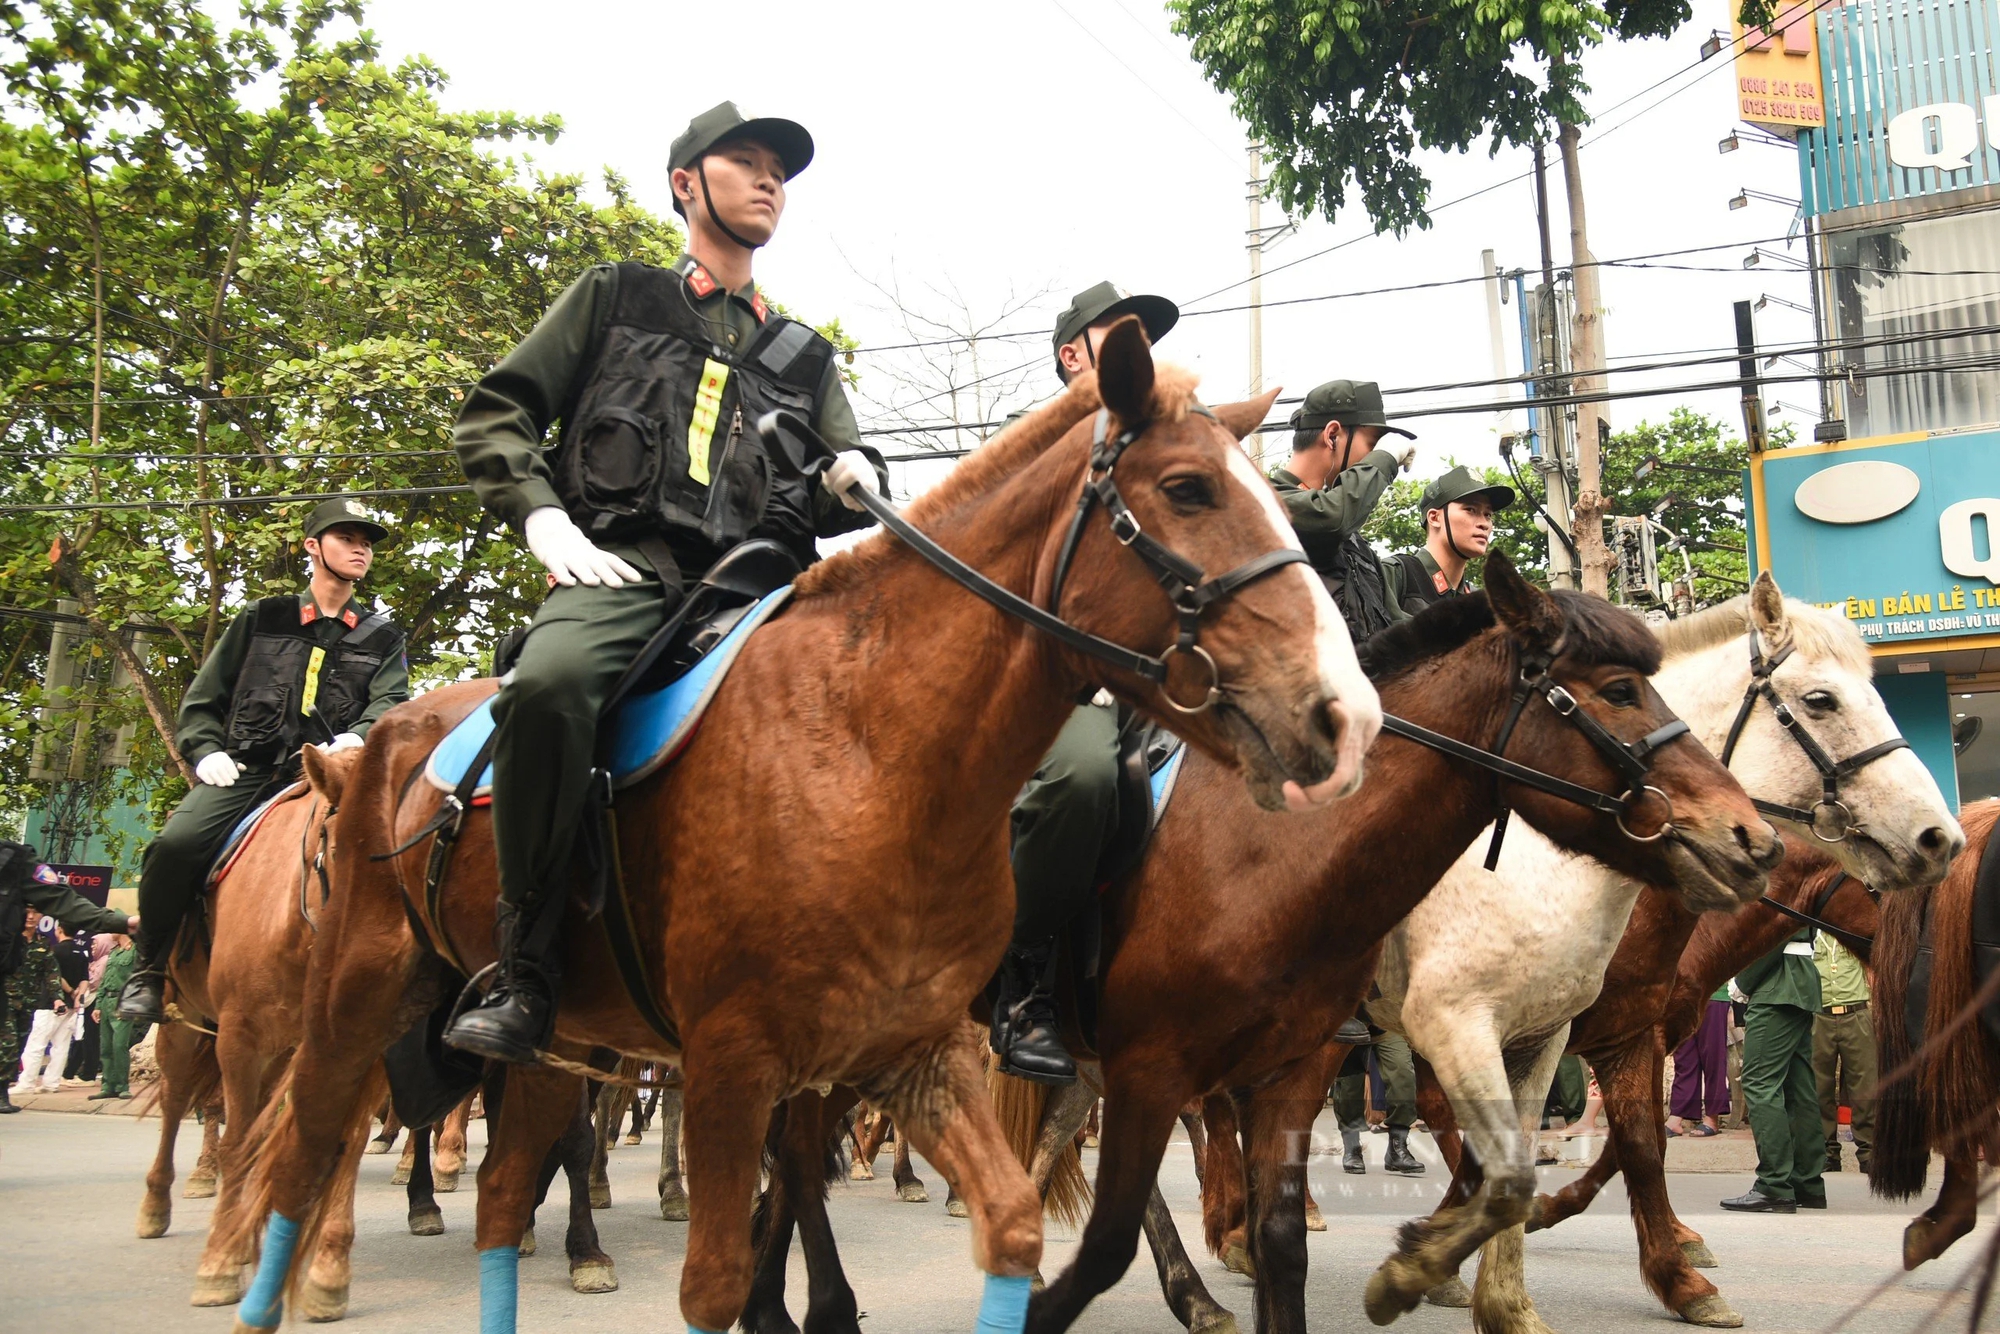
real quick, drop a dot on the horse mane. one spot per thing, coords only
(1963, 1076)
(1594, 632)
(986, 467)
(1817, 633)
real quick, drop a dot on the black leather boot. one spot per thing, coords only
(1027, 1036)
(1399, 1158)
(1350, 1158)
(144, 999)
(7, 1106)
(515, 1018)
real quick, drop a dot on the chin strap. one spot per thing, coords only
(708, 202)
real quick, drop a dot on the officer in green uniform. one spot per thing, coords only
(1458, 511)
(1844, 1049)
(1336, 477)
(33, 985)
(1069, 809)
(1778, 1083)
(1399, 1085)
(116, 1080)
(658, 376)
(291, 670)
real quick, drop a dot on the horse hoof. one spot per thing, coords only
(1220, 1323)
(913, 1192)
(593, 1276)
(674, 1206)
(377, 1146)
(224, 1289)
(1388, 1296)
(861, 1171)
(401, 1177)
(634, 1138)
(1698, 1255)
(322, 1305)
(1452, 1292)
(600, 1196)
(1237, 1261)
(1712, 1312)
(240, 1328)
(444, 1183)
(154, 1219)
(956, 1208)
(199, 1188)
(1315, 1222)
(527, 1246)
(427, 1222)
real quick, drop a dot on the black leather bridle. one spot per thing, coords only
(1831, 774)
(1632, 759)
(1860, 945)
(1181, 578)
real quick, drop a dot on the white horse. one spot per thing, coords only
(1486, 974)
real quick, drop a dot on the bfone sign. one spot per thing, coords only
(1901, 538)
(1944, 135)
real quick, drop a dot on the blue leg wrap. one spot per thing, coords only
(263, 1305)
(1004, 1308)
(499, 1289)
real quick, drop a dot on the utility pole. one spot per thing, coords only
(1256, 237)
(1549, 365)
(1746, 375)
(1587, 361)
(1503, 420)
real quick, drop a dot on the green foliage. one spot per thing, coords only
(304, 260)
(1341, 90)
(1397, 525)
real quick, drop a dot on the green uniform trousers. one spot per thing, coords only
(177, 863)
(116, 1050)
(1844, 1058)
(545, 722)
(1783, 1099)
(1061, 822)
(1399, 1085)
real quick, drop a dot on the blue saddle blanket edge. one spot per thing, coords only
(649, 729)
(241, 832)
(1163, 779)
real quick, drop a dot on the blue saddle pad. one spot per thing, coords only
(240, 835)
(1163, 779)
(647, 731)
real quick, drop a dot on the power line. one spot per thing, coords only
(1166, 101)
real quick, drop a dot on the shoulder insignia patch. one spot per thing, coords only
(1443, 584)
(698, 279)
(758, 308)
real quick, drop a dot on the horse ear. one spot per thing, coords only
(1125, 371)
(327, 771)
(1528, 613)
(1245, 417)
(1767, 612)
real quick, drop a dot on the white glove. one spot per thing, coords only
(571, 557)
(343, 741)
(1404, 452)
(850, 468)
(218, 770)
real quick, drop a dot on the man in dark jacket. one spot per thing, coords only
(1458, 511)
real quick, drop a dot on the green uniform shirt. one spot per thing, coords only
(500, 428)
(117, 972)
(1842, 979)
(203, 727)
(36, 983)
(1782, 977)
(1326, 517)
(1392, 576)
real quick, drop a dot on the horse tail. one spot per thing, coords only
(1020, 1105)
(1902, 1153)
(1958, 1077)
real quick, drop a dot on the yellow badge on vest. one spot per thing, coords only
(311, 695)
(707, 409)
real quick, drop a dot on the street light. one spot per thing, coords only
(1757, 259)
(1713, 45)
(1743, 196)
(1768, 300)
(1729, 144)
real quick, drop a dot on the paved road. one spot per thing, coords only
(69, 1186)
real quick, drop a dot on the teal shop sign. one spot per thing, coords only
(1901, 535)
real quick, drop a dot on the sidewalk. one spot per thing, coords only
(77, 1102)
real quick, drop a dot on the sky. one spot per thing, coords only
(1013, 154)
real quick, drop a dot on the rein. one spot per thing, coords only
(1634, 759)
(1181, 578)
(1830, 773)
(1858, 944)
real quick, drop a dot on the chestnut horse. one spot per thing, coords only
(820, 880)
(1950, 1100)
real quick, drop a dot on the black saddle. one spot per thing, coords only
(748, 572)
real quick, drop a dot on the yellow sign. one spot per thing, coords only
(701, 427)
(1777, 72)
(311, 696)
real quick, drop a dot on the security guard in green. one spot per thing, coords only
(658, 376)
(1337, 475)
(292, 669)
(1458, 510)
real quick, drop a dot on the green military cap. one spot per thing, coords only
(332, 513)
(1460, 484)
(1103, 302)
(723, 122)
(1350, 402)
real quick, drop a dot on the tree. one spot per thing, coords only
(243, 265)
(1397, 525)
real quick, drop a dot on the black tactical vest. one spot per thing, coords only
(283, 700)
(661, 440)
(1353, 575)
(1419, 590)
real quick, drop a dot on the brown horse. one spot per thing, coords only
(1950, 1101)
(820, 880)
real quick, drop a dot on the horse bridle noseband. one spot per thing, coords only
(1181, 578)
(1831, 774)
(1633, 759)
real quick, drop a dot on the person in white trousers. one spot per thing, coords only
(47, 1053)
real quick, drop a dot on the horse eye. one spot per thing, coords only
(1621, 695)
(1192, 492)
(1822, 701)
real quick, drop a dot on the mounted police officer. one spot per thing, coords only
(291, 669)
(1337, 475)
(1068, 811)
(658, 376)
(1458, 510)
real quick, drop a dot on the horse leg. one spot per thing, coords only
(1187, 1297)
(590, 1269)
(867, 1133)
(449, 1160)
(246, 1084)
(772, 1222)
(673, 1193)
(605, 1127)
(1951, 1215)
(535, 1106)
(1277, 1123)
(391, 1127)
(201, 1183)
(179, 1053)
(726, 1111)
(1435, 1109)
(426, 1219)
(909, 1186)
(1225, 1208)
(408, 1162)
(805, 1158)
(552, 1162)
(1197, 1134)
(1500, 1301)
(323, 1294)
(1577, 1196)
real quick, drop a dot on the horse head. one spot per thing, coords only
(1837, 775)
(1261, 671)
(328, 770)
(1684, 821)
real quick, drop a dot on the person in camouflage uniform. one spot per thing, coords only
(33, 986)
